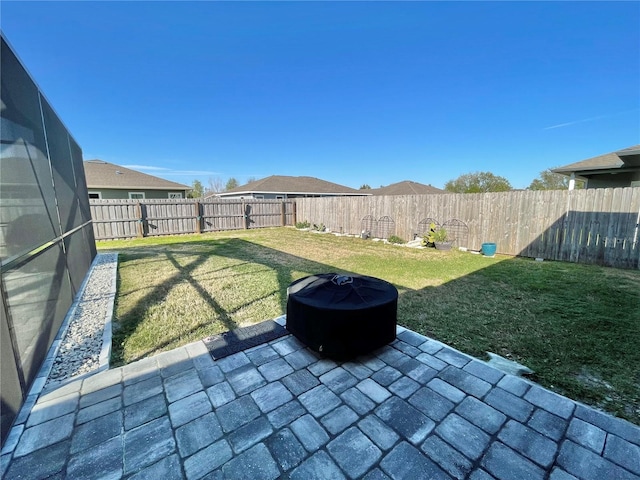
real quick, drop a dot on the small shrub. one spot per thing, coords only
(304, 224)
(395, 239)
(320, 227)
(435, 234)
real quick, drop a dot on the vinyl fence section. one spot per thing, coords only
(598, 226)
(114, 219)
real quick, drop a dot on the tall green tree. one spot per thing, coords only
(197, 190)
(478, 182)
(548, 180)
(365, 186)
(231, 183)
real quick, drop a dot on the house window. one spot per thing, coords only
(136, 195)
(259, 197)
(175, 194)
(95, 195)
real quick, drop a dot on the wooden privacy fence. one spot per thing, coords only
(114, 219)
(597, 226)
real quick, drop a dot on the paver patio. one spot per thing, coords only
(413, 409)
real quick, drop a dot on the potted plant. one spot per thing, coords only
(440, 239)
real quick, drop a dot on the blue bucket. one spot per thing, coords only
(488, 249)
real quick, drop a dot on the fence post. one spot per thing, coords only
(295, 213)
(245, 218)
(140, 220)
(283, 214)
(198, 218)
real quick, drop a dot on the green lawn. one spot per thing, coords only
(577, 326)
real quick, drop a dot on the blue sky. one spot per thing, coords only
(350, 92)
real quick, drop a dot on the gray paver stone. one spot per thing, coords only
(198, 434)
(481, 414)
(623, 453)
(371, 362)
(479, 474)
(144, 411)
(141, 390)
(484, 371)
(99, 409)
(587, 465)
(447, 457)
(551, 402)
(339, 419)
(358, 370)
(376, 430)
(96, 431)
(354, 452)
(558, 474)
(101, 461)
(338, 380)
(182, 385)
(188, 408)
(513, 384)
(407, 462)
(421, 373)
(45, 434)
(373, 390)
(446, 390)
(464, 436)
(404, 387)
(431, 361)
(309, 432)
(318, 467)
(45, 411)
(287, 345)
(452, 357)
(391, 356)
(406, 348)
(586, 435)
(301, 358)
(262, 355)
(166, 469)
(271, 396)
(250, 434)
(220, 394)
(322, 366)
(376, 474)
(319, 400)
(101, 380)
(412, 338)
(237, 413)
(256, 464)
(548, 424)
(504, 463)
(286, 449)
(529, 443)
(405, 419)
(101, 395)
(275, 369)
(210, 376)
(617, 426)
(285, 414)
(300, 381)
(245, 379)
(232, 362)
(139, 371)
(41, 464)
(147, 444)
(507, 403)
(431, 404)
(51, 392)
(386, 375)
(174, 361)
(207, 459)
(465, 381)
(358, 401)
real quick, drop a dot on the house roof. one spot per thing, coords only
(293, 185)
(101, 174)
(608, 161)
(406, 187)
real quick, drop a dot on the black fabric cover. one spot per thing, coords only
(342, 316)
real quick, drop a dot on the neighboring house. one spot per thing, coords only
(616, 169)
(109, 181)
(283, 187)
(406, 187)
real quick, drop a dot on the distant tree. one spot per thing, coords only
(478, 182)
(548, 180)
(197, 190)
(215, 185)
(251, 179)
(231, 183)
(365, 186)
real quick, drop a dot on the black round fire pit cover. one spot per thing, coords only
(340, 315)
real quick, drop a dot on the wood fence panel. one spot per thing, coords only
(590, 226)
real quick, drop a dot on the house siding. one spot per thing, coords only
(114, 194)
(612, 180)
